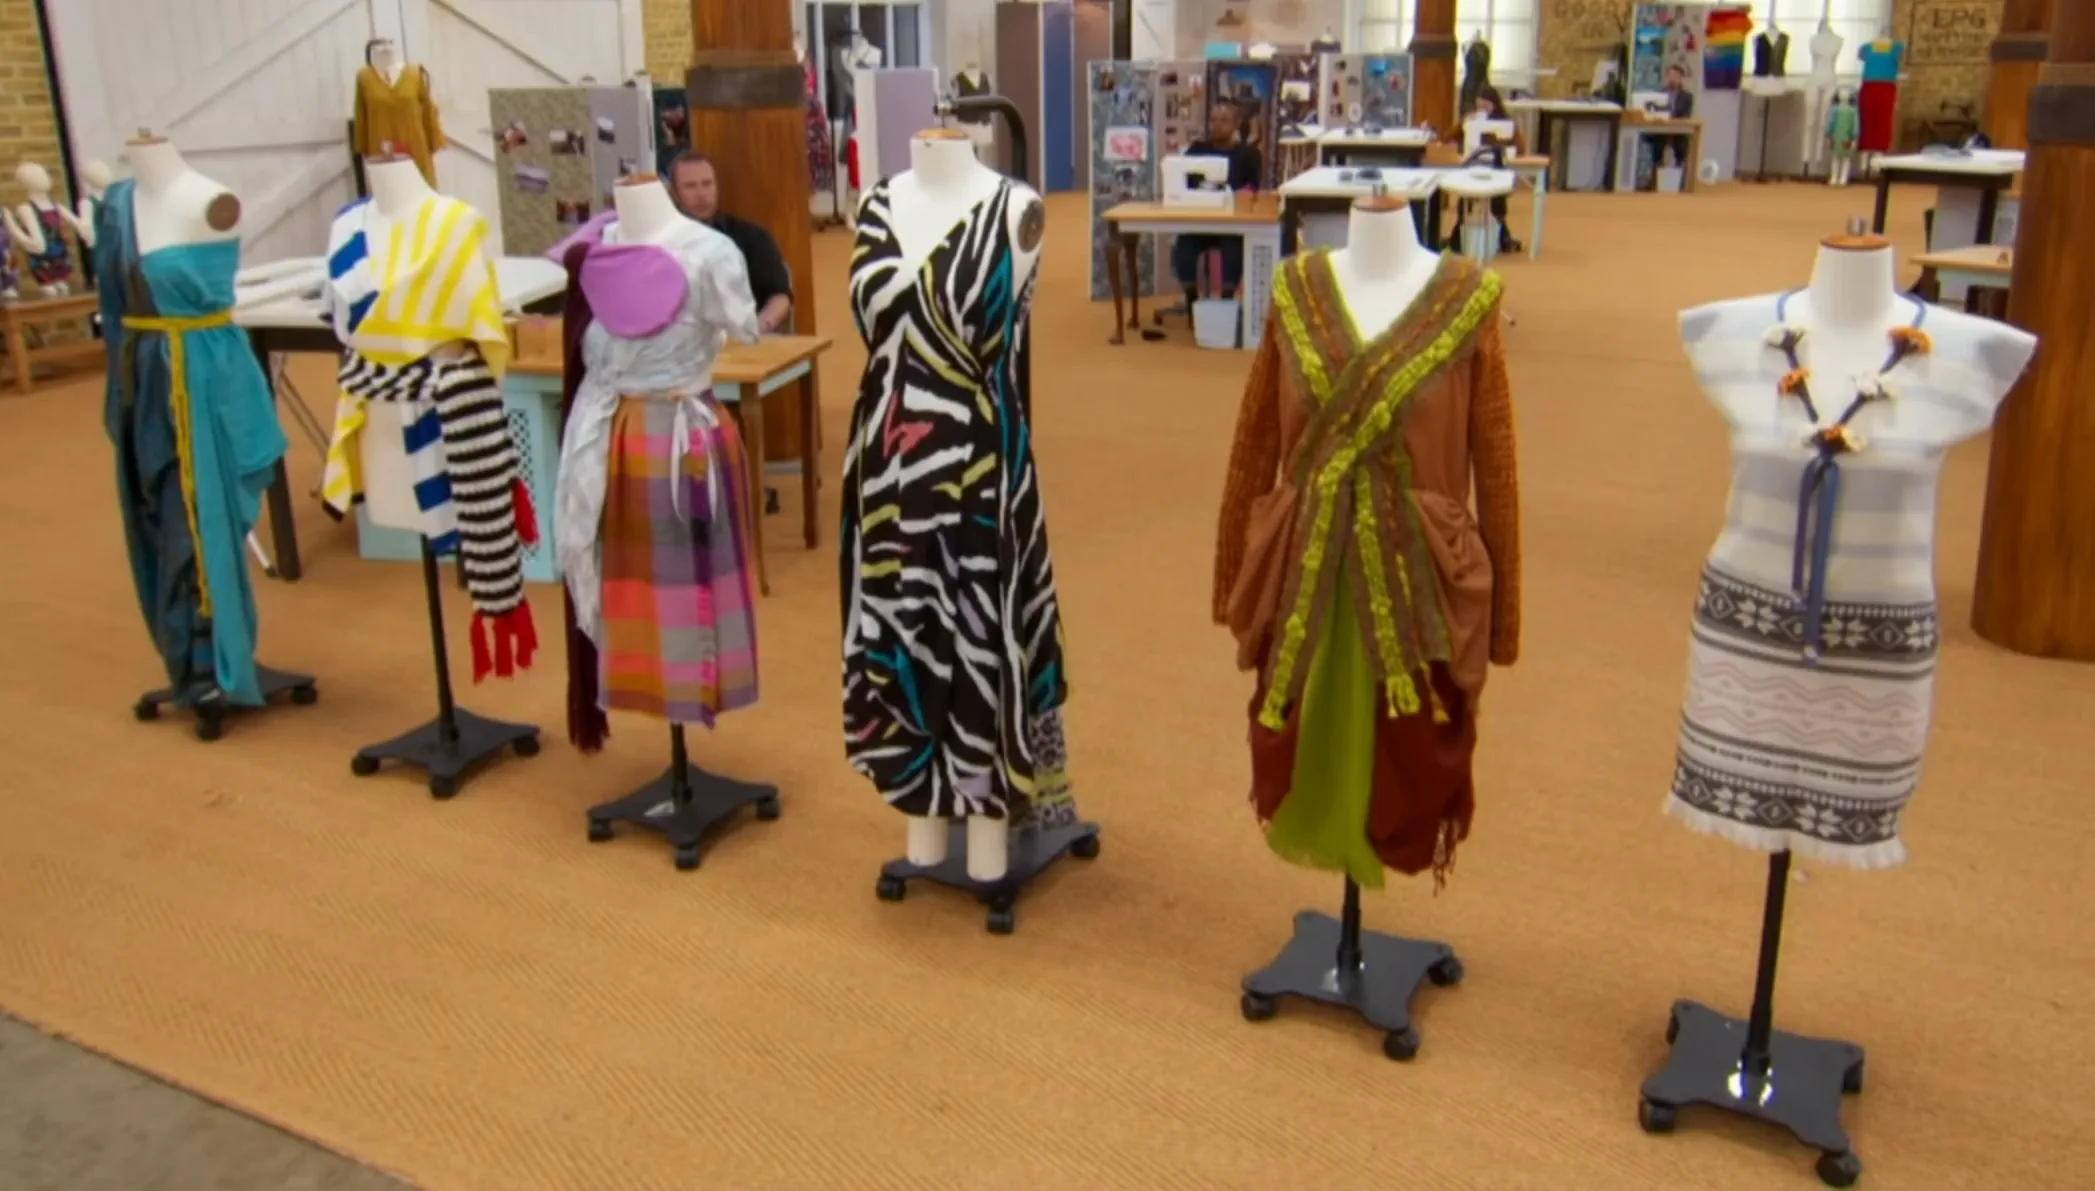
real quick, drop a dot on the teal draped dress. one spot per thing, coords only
(193, 458)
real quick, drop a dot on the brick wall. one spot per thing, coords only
(1946, 44)
(668, 39)
(28, 117)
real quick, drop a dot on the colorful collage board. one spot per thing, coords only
(560, 152)
(1367, 89)
(1140, 113)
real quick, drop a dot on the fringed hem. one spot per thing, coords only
(1367, 878)
(1886, 854)
(503, 644)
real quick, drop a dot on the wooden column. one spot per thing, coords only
(1433, 66)
(2018, 54)
(2036, 579)
(747, 97)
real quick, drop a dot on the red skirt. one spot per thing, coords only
(1878, 105)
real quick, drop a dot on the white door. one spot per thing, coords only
(471, 47)
(257, 94)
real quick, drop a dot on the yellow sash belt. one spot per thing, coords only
(178, 409)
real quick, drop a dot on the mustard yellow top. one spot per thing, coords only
(402, 112)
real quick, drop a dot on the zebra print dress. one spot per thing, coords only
(953, 673)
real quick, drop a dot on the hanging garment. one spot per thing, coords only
(197, 442)
(1354, 575)
(10, 279)
(1878, 104)
(1770, 55)
(1842, 129)
(1476, 72)
(401, 113)
(401, 306)
(953, 662)
(91, 215)
(821, 159)
(1812, 660)
(654, 531)
(54, 265)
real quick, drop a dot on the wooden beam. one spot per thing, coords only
(1433, 53)
(2017, 55)
(748, 112)
(2035, 591)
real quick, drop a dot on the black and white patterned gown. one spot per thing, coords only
(953, 673)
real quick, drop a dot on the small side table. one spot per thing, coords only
(1473, 190)
(18, 316)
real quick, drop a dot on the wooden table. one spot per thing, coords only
(1968, 192)
(18, 316)
(1548, 114)
(1322, 197)
(743, 375)
(1635, 129)
(1254, 219)
(1975, 268)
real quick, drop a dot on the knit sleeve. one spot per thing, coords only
(1497, 486)
(1254, 458)
(360, 124)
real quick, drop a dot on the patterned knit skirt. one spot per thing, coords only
(679, 636)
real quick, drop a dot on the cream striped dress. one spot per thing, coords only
(1780, 749)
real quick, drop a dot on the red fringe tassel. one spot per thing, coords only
(526, 515)
(503, 645)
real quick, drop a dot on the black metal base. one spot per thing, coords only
(1032, 853)
(212, 709)
(448, 762)
(1380, 990)
(1800, 1089)
(712, 799)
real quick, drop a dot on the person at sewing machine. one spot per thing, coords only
(1680, 105)
(1222, 140)
(1494, 152)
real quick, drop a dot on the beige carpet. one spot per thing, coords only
(470, 994)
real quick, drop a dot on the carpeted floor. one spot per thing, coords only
(472, 996)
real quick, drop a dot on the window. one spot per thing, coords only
(1509, 25)
(1856, 21)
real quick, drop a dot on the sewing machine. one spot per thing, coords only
(1197, 182)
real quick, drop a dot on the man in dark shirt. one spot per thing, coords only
(1186, 251)
(696, 189)
(1680, 105)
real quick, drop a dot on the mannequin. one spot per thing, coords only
(862, 54)
(1014, 781)
(421, 395)
(1326, 42)
(95, 179)
(970, 82)
(1846, 394)
(1883, 61)
(645, 213)
(1261, 51)
(395, 105)
(1825, 57)
(1842, 126)
(1383, 266)
(1770, 52)
(1363, 715)
(193, 422)
(1476, 71)
(39, 226)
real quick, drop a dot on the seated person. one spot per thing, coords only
(1186, 251)
(695, 188)
(1490, 107)
(1680, 105)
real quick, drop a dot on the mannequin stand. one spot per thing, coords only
(212, 710)
(449, 746)
(1032, 853)
(683, 804)
(1734, 1065)
(1334, 962)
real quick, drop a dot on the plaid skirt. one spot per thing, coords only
(679, 637)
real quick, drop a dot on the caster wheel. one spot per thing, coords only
(768, 808)
(1839, 1170)
(305, 696)
(526, 746)
(1085, 848)
(1672, 1029)
(363, 766)
(890, 889)
(1445, 972)
(1851, 1079)
(599, 830)
(209, 727)
(1257, 1007)
(1002, 921)
(687, 857)
(145, 711)
(443, 787)
(1655, 1117)
(1401, 1045)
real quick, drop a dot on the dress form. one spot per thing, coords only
(28, 229)
(1383, 266)
(1825, 54)
(943, 184)
(385, 58)
(175, 204)
(95, 179)
(645, 213)
(397, 191)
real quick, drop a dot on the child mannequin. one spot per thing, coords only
(1843, 124)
